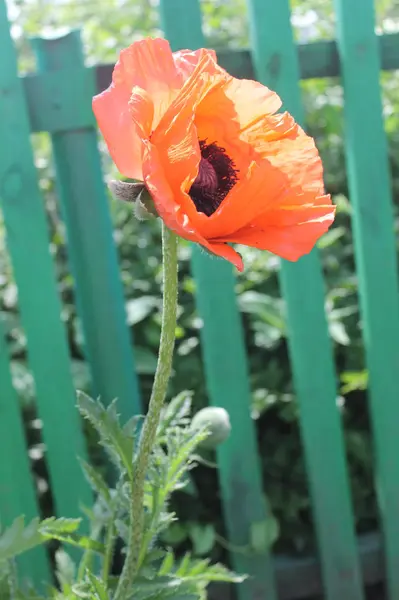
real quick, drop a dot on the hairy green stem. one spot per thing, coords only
(109, 548)
(151, 422)
(88, 556)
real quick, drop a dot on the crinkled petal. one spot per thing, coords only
(149, 64)
(261, 189)
(174, 143)
(173, 214)
(289, 242)
(166, 200)
(206, 77)
(227, 252)
(141, 111)
(217, 122)
(111, 109)
(304, 208)
(286, 146)
(252, 101)
(187, 60)
(229, 110)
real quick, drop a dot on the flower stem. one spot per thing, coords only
(151, 422)
(109, 548)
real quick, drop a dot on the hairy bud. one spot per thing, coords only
(217, 421)
(135, 193)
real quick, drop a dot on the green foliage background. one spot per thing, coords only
(107, 26)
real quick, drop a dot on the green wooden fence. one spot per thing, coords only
(57, 99)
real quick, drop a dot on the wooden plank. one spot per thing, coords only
(226, 372)
(276, 63)
(91, 248)
(17, 490)
(51, 100)
(375, 251)
(28, 244)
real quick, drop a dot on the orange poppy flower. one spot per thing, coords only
(220, 165)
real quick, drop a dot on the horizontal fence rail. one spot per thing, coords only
(52, 102)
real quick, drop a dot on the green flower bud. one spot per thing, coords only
(217, 421)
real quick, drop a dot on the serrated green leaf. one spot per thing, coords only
(79, 541)
(98, 587)
(162, 587)
(167, 564)
(180, 450)
(19, 538)
(59, 526)
(184, 565)
(96, 481)
(115, 440)
(218, 572)
(202, 572)
(177, 412)
(82, 590)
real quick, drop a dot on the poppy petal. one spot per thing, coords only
(290, 242)
(205, 78)
(288, 148)
(111, 109)
(228, 253)
(141, 110)
(174, 215)
(174, 148)
(263, 186)
(149, 64)
(187, 60)
(217, 122)
(165, 199)
(227, 111)
(252, 101)
(307, 208)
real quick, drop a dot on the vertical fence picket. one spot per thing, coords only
(226, 371)
(90, 243)
(17, 492)
(375, 250)
(28, 243)
(276, 65)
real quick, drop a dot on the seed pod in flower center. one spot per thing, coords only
(217, 175)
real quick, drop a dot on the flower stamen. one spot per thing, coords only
(217, 175)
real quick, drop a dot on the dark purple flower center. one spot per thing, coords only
(217, 175)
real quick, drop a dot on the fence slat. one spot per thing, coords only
(17, 491)
(370, 194)
(276, 64)
(226, 371)
(91, 247)
(27, 239)
(316, 59)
